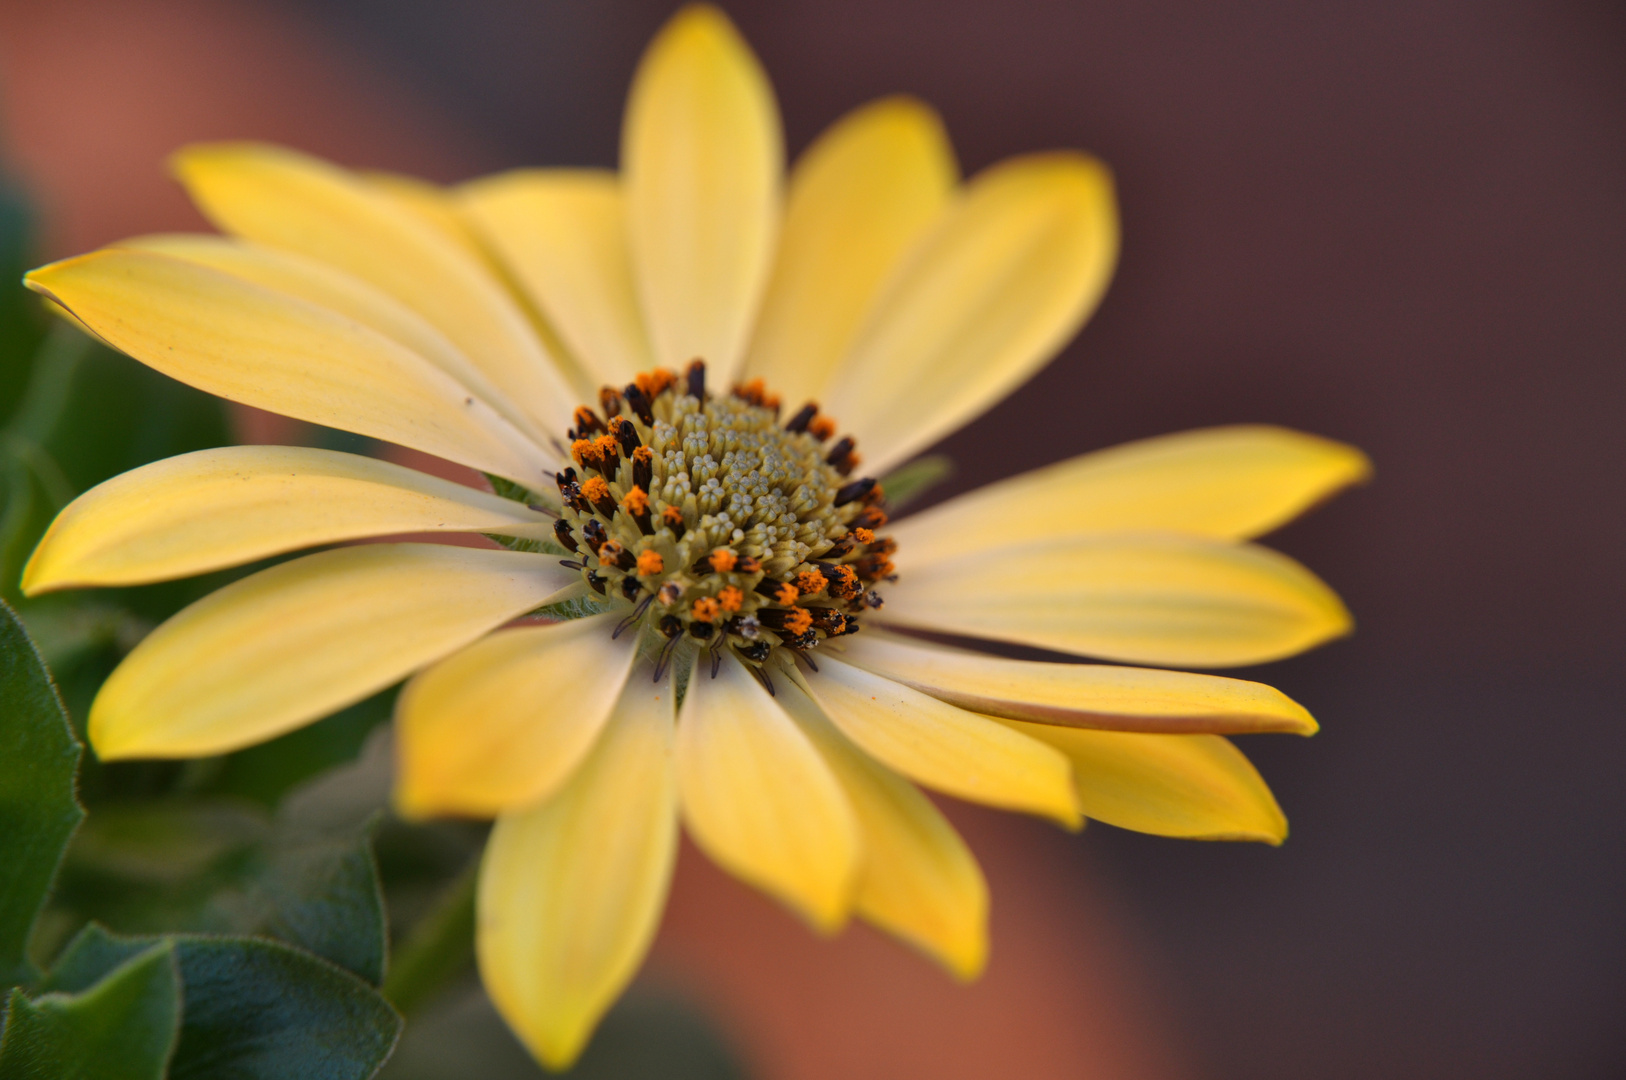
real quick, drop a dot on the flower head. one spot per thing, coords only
(685, 383)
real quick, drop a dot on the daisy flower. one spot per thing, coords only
(683, 380)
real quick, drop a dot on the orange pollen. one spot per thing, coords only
(847, 575)
(585, 418)
(582, 450)
(596, 489)
(609, 552)
(799, 621)
(650, 562)
(822, 427)
(606, 445)
(786, 594)
(706, 609)
(636, 501)
(873, 517)
(643, 455)
(810, 582)
(731, 599)
(671, 515)
(723, 560)
(653, 383)
(863, 536)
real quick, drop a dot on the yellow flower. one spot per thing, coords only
(719, 541)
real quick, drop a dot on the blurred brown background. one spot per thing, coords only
(1400, 224)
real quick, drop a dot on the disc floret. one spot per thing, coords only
(719, 522)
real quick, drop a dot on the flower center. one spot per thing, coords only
(718, 519)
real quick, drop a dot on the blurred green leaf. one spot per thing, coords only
(648, 1035)
(38, 807)
(21, 322)
(252, 1009)
(909, 482)
(222, 867)
(122, 1028)
(439, 949)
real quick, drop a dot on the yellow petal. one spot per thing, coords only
(242, 341)
(919, 880)
(1079, 695)
(1195, 786)
(216, 508)
(286, 645)
(860, 197)
(1227, 483)
(759, 799)
(290, 201)
(1139, 598)
(322, 285)
(571, 891)
(702, 157)
(563, 234)
(1002, 282)
(943, 747)
(503, 723)
(430, 203)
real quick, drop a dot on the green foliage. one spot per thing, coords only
(908, 483)
(38, 807)
(123, 1027)
(253, 1009)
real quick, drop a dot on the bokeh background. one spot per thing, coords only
(1402, 224)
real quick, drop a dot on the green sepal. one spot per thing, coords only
(508, 489)
(908, 483)
(253, 1009)
(122, 1027)
(524, 543)
(39, 809)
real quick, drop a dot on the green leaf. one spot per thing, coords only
(222, 867)
(909, 482)
(122, 1028)
(21, 322)
(38, 807)
(270, 770)
(320, 893)
(254, 1010)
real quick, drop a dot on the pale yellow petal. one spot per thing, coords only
(1001, 283)
(287, 645)
(282, 199)
(230, 337)
(1195, 786)
(860, 197)
(503, 723)
(321, 284)
(1227, 483)
(1079, 695)
(216, 508)
(943, 747)
(431, 203)
(1139, 598)
(571, 891)
(701, 152)
(919, 880)
(563, 234)
(759, 799)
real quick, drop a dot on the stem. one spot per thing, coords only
(439, 948)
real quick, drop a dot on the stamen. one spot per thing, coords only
(637, 613)
(670, 593)
(636, 504)
(697, 380)
(596, 581)
(804, 416)
(639, 402)
(593, 532)
(705, 609)
(854, 491)
(643, 468)
(811, 582)
(597, 492)
(610, 400)
(672, 518)
(587, 421)
(650, 563)
(730, 599)
(822, 428)
(608, 453)
(841, 457)
(562, 533)
(626, 433)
